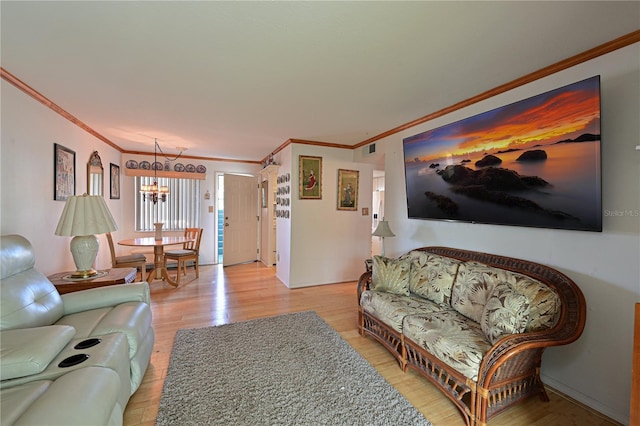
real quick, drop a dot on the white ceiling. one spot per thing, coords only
(237, 79)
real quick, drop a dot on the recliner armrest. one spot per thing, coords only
(102, 297)
(28, 351)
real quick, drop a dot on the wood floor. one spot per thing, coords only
(242, 292)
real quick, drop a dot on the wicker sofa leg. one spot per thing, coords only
(491, 402)
(360, 323)
(459, 389)
(392, 340)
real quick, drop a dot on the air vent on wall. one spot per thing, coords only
(369, 149)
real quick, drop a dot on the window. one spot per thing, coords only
(181, 209)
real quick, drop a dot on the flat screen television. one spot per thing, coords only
(535, 162)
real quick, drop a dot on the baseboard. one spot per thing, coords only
(585, 402)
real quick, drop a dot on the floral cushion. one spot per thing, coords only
(473, 285)
(390, 275)
(392, 308)
(432, 275)
(450, 337)
(506, 312)
(544, 303)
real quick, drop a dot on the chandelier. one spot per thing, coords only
(155, 192)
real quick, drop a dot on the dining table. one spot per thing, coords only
(159, 268)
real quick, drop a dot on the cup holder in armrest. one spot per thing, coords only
(87, 343)
(73, 360)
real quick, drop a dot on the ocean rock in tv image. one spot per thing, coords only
(533, 155)
(532, 163)
(488, 160)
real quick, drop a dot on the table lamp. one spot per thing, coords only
(383, 231)
(82, 218)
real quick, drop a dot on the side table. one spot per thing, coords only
(113, 276)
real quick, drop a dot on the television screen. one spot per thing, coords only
(535, 162)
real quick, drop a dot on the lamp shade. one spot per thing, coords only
(85, 215)
(383, 230)
(82, 218)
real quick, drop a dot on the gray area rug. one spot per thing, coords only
(291, 369)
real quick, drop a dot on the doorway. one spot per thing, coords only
(377, 204)
(237, 219)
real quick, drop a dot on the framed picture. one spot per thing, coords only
(535, 163)
(64, 172)
(348, 189)
(114, 187)
(310, 178)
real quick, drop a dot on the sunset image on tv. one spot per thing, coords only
(535, 163)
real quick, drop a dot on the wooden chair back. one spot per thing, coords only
(137, 261)
(112, 250)
(195, 233)
(190, 252)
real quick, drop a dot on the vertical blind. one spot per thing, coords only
(181, 209)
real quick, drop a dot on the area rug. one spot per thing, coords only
(291, 369)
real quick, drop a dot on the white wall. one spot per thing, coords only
(29, 130)
(325, 245)
(283, 226)
(596, 369)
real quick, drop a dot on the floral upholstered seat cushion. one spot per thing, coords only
(451, 337)
(506, 312)
(432, 275)
(392, 308)
(390, 275)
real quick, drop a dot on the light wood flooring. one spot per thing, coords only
(243, 292)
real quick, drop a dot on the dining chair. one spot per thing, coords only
(138, 260)
(189, 252)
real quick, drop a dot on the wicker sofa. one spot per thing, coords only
(474, 324)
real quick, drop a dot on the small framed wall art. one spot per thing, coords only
(64, 172)
(114, 187)
(348, 189)
(310, 178)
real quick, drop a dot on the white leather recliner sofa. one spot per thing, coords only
(72, 359)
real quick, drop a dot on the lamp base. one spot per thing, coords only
(84, 249)
(100, 274)
(91, 273)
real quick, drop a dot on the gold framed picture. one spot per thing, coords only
(310, 178)
(348, 189)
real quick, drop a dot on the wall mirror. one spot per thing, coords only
(95, 175)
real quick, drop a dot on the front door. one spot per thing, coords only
(240, 219)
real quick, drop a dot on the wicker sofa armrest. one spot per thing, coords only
(510, 371)
(523, 349)
(363, 284)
